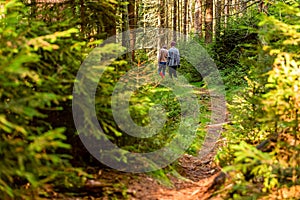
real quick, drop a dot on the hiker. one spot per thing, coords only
(173, 60)
(162, 61)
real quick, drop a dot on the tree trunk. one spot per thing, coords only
(226, 11)
(178, 16)
(174, 19)
(218, 19)
(132, 24)
(161, 22)
(209, 21)
(223, 6)
(124, 29)
(168, 20)
(185, 9)
(190, 17)
(167, 14)
(198, 18)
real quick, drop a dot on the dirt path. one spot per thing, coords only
(202, 176)
(197, 180)
(200, 179)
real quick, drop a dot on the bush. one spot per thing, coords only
(35, 77)
(268, 115)
(227, 50)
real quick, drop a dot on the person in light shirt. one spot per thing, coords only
(162, 61)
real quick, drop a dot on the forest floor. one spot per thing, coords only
(197, 180)
(199, 183)
(194, 179)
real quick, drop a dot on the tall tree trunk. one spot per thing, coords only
(223, 6)
(198, 18)
(168, 20)
(137, 19)
(178, 17)
(218, 18)
(132, 24)
(161, 22)
(174, 19)
(190, 17)
(125, 28)
(226, 11)
(209, 21)
(185, 15)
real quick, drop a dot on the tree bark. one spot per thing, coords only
(174, 19)
(226, 11)
(185, 13)
(190, 17)
(218, 19)
(161, 22)
(124, 29)
(198, 18)
(132, 24)
(178, 16)
(209, 21)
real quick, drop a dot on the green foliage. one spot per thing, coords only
(145, 98)
(228, 48)
(189, 71)
(36, 76)
(269, 109)
(238, 35)
(186, 68)
(41, 50)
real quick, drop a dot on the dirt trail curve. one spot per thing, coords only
(202, 174)
(198, 182)
(199, 185)
(199, 178)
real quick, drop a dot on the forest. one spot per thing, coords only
(85, 114)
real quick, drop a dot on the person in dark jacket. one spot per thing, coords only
(173, 60)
